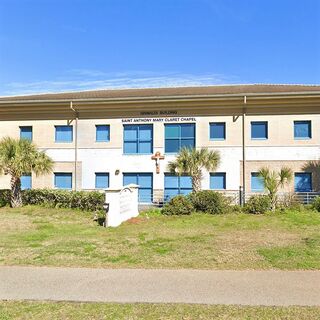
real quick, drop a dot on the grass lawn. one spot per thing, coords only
(61, 237)
(47, 310)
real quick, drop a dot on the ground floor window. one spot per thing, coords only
(63, 180)
(26, 181)
(302, 182)
(257, 184)
(174, 185)
(145, 183)
(218, 181)
(102, 180)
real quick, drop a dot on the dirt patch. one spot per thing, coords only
(137, 220)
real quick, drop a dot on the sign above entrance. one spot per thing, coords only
(152, 120)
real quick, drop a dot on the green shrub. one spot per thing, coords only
(209, 201)
(258, 204)
(5, 197)
(83, 200)
(316, 204)
(179, 205)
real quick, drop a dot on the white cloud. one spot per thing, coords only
(84, 79)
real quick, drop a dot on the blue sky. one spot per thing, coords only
(62, 45)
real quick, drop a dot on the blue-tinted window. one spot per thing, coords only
(178, 136)
(102, 180)
(64, 133)
(218, 181)
(102, 133)
(257, 184)
(259, 130)
(145, 183)
(26, 133)
(303, 182)
(302, 129)
(63, 180)
(138, 139)
(26, 181)
(175, 185)
(218, 131)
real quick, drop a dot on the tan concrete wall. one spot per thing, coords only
(296, 166)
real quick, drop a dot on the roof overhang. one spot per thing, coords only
(190, 105)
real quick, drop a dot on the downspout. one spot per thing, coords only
(75, 145)
(244, 149)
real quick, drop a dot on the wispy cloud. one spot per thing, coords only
(85, 79)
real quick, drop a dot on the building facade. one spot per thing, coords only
(97, 145)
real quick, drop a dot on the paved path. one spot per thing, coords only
(278, 288)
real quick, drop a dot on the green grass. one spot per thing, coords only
(62, 237)
(47, 310)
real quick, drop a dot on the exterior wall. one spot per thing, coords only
(279, 149)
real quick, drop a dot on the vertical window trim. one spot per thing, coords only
(108, 128)
(58, 141)
(310, 129)
(224, 131)
(267, 129)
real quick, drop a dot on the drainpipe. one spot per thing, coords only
(75, 144)
(244, 149)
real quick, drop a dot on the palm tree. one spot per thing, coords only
(192, 161)
(20, 156)
(274, 180)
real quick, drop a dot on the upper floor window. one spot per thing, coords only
(138, 139)
(102, 133)
(218, 181)
(259, 130)
(303, 182)
(178, 136)
(64, 134)
(302, 130)
(102, 180)
(63, 180)
(26, 181)
(257, 184)
(26, 132)
(217, 131)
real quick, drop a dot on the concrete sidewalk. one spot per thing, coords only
(269, 288)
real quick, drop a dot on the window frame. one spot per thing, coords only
(108, 128)
(252, 123)
(216, 174)
(24, 127)
(101, 174)
(211, 124)
(309, 122)
(180, 125)
(63, 141)
(65, 174)
(137, 140)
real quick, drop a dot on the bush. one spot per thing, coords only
(83, 200)
(316, 204)
(209, 201)
(5, 197)
(258, 204)
(179, 205)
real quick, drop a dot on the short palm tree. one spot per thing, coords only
(274, 180)
(192, 161)
(20, 156)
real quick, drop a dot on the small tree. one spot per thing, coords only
(20, 156)
(192, 161)
(274, 180)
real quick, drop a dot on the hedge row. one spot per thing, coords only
(83, 200)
